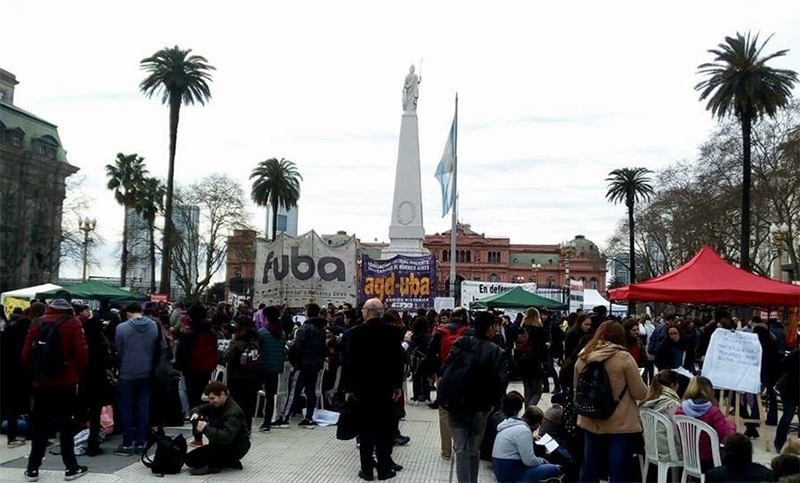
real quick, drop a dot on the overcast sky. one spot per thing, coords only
(553, 96)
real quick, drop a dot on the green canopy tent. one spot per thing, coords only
(93, 290)
(517, 298)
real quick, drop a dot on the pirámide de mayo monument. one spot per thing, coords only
(406, 231)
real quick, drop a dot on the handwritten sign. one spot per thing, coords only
(733, 361)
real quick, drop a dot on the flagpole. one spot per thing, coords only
(454, 226)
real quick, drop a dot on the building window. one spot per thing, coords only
(493, 277)
(444, 255)
(281, 223)
(16, 139)
(469, 256)
(476, 278)
(593, 283)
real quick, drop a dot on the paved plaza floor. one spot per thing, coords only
(291, 455)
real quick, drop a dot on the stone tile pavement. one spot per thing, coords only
(308, 456)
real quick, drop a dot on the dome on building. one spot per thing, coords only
(585, 248)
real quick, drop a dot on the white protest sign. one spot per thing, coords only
(440, 303)
(575, 295)
(733, 361)
(473, 290)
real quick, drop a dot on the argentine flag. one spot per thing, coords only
(445, 172)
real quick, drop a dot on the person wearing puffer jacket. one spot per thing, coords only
(513, 459)
(699, 403)
(663, 399)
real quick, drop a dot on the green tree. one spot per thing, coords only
(124, 178)
(180, 78)
(149, 202)
(275, 183)
(739, 83)
(629, 186)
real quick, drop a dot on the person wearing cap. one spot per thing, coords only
(54, 396)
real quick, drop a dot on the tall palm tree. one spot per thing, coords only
(629, 186)
(276, 183)
(149, 202)
(739, 83)
(125, 177)
(180, 78)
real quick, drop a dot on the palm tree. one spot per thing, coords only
(739, 83)
(149, 202)
(629, 185)
(125, 177)
(276, 183)
(180, 79)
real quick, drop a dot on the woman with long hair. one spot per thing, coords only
(580, 329)
(93, 388)
(633, 341)
(610, 443)
(699, 402)
(530, 354)
(663, 398)
(243, 363)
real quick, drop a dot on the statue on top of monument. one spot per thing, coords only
(411, 91)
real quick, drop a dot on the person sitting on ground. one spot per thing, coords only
(737, 464)
(663, 399)
(513, 458)
(785, 465)
(222, 421)
(792, 446)
(699, 403)
(510, 406)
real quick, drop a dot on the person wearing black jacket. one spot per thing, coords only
(421, 339)
(307, 354)
(93, 388)
(789, 387)
(553, 338)
(581, 329)
(530, 355)
(374, 367)
(770, 369)
(473, 379)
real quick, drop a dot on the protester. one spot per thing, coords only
(722, 319)
(421, 339)
(392, 318)
(513, 459)
(580, 330)
(243, 358)
(610, 442)
(673, 353)
(259, 319)
(555, 351)
(788, 386)
(699, 402)
(197, 356)
(646, 329)
(529, 356)
(785, 465)
(737, 464)
(633, 342)
(770, 370)
(443, 338)
(136, 343)
(15, 385)
(307, 354)
(93, 388)
(55, 377)
(222, 421)
(663, 398)
(272, 346)
(473, 378)
(374, 367)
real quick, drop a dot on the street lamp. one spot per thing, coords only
(567, 251)
(780, 234)
(536, 267)
(86, 226)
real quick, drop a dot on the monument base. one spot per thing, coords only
(410, 247)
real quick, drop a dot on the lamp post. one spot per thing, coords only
(567, 251)
(780, 234)
(536, 268)
(86, 226)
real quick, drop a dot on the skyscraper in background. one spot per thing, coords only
(138, 252)
(186, 221)
(287, 221)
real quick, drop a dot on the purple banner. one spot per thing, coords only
(401, 283)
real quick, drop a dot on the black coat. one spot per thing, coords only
(308, 351)
(373, 363)
(789, 382)
(532, 367)
(571, 341)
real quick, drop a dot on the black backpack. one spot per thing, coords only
(47, 357)
(593, 396)
(169, 455)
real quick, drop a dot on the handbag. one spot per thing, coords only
(347, 428)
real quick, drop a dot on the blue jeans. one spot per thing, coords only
(789, 409)
(134, 400)
(513, 471)
(468, 432)
(607, 454)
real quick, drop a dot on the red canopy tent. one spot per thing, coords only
(708, 279)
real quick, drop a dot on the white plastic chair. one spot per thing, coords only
(650, 423)
(220, 374)
(690, 430)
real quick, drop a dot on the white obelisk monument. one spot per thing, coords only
(406, 231)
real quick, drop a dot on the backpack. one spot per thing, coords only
(47, 357)
(169, 455)
(447, 341)
(524, 349)
(250, 357)
(593, 396)
(457, 387)
(204, 353)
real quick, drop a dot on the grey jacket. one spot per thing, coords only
(135, 345)
(514, 441)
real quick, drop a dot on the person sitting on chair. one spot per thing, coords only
(222, 421)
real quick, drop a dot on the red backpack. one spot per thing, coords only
(204, 353)
(447, 341)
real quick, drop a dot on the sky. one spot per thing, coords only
(552, 96)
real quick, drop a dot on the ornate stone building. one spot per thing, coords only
(33, 167)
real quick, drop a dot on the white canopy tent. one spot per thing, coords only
(28, 292)
(592, 298)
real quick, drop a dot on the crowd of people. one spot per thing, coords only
(154, 365)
